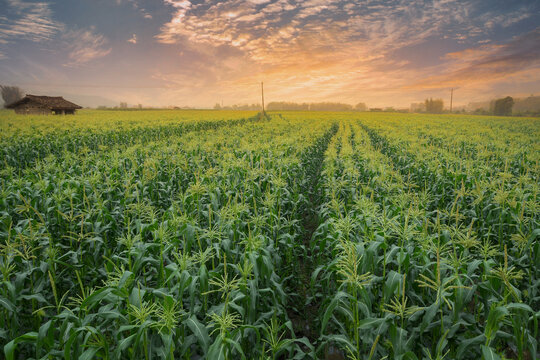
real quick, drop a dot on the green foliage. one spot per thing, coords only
(226, 236)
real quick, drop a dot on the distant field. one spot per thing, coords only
(103, 120)
(178, 234)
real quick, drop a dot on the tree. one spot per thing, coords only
(321, 106)
(330, 106)
(217, 106)
(11, 94)
(434, 106)
(503, 107)
(286, 106)
(360, 107)
(418, 107)
(123, 105)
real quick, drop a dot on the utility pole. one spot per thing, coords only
(262, 96)
(451, 98)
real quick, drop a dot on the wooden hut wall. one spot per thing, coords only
(32, 109)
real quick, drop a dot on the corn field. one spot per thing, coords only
(236, 235)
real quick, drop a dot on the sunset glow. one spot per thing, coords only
(198, 53)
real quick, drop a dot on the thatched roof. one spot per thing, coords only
(50, 102)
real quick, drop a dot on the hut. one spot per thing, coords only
(44, 105)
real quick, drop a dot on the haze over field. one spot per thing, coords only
(197, 53)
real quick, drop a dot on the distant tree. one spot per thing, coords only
(217, 106)
(418, 107)
(434, 106)
(321, 106)
(503, 107)
(10, 94)
(360, 107)
(481, 111)
(139, 106)
(529, 105)
(286, 106)
(330, 106)
(123, 105)
(246, 107)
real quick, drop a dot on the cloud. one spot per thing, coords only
(263, 28)
(27, 21)
(340, 47)
(33, 21)
(304, 50)
(310, 43)
(507, 19)
(488, 63)
(135, 5)
(85, 45)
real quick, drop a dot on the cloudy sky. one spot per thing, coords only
(199, 52)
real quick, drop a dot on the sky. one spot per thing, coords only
(202, 52)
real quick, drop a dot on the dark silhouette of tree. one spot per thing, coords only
(10, 94)
(434, 106)
(503, 107)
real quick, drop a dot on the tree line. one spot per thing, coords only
(318, 106)
(241, 107)
(499, 107)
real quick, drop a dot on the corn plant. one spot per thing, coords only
(236, 235)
